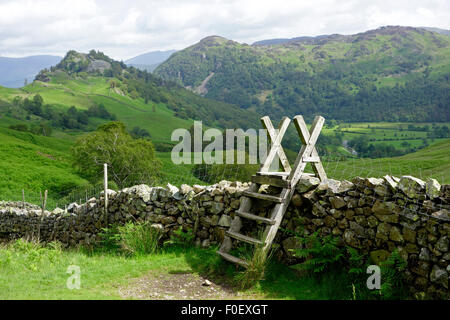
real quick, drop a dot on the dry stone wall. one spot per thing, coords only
(375, 216)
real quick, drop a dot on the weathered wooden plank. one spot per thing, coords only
(262, 196)
(275, 181)
(309, 139)
(236, 224)
(276, 143)
(275, 174)
(233, 259)
(277, 215)
(255, 217)
(241, 237)
(318, 168)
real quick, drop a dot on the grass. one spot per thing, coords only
(390, 133)
(37, 273)
(427, 162)
(138, 239)
(157, 119)
(255, 270)
(34, 163)
(30, 271)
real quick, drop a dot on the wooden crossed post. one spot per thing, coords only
(308, 152)
(276, 143)
(285, 180)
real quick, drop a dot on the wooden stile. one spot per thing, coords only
(285, 180)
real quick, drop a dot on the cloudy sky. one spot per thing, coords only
(125, 28)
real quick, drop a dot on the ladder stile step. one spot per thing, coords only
(263, 196)
(233, 259)
(279, 174)
(241, 237)
(276, 181)
(255, 217)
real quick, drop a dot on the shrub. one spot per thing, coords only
(140, 238)
(36, 255)
(130, 161)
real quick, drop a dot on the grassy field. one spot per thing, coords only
(34, 272)
(398, 134)
(157, 119)
(34, 163)
(432, 161)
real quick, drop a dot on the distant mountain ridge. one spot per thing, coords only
(392, 73)
(14, 71)
(438, 30)
(269, 42)
(315, 39)
(150, 60)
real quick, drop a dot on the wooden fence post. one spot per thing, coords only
(43, 205)
(105, 169)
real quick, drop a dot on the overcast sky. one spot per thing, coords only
(124, 29)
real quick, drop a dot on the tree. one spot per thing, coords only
(138, 132)
(37, 105)
(129, 160)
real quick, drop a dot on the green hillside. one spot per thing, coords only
(75, 97)
(35, 163)
(134, 97)
(431, 161)
(387, 74)
(156, 118)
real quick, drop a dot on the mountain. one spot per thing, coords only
(14, 71)
(270, 42)
(101, 89)
(150, 60)
(392, 73)
(438, 30)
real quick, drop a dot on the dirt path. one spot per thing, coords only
(178, 286)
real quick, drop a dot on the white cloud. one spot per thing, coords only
(123, 29)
